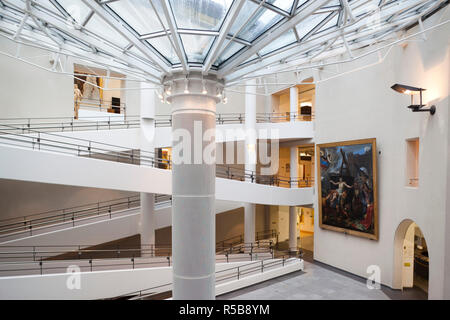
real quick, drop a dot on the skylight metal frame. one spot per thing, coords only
(51, 20)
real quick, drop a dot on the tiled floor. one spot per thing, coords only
(318, 282)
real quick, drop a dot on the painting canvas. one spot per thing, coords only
(348, 187)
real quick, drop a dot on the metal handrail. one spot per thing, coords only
(81, 147)
(107, 122)
(240, 271)
(46, 255)
(41, 220)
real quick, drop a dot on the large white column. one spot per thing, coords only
(293, 97)
(250, 158)
(147, 223)
(292, 229)
(249, 222)
(193, 185)
(147, 131)
(250, 128)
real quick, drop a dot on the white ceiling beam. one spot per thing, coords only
(269, 36)
(123, 31)
(300, 65)
(179, 49)
(272, 7)
(293, 50)
(227, 24)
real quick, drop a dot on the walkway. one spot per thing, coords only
(320, 282)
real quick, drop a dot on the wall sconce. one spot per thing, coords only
(412, 91)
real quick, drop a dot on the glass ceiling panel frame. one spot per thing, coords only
(400, 16)
(245, 64)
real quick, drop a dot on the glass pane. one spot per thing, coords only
(331, 23)
(77, 9)
(304, 27)
(196, 47)
(140, 15)
(100, 27)
(229, 51)
(163, 45)
(284, 40)
(263, 20)
(200, 14)
(285, 5)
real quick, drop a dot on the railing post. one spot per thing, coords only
(40, 266)
(262, 266)
(168, 260)
(31, 230)
(90, 262)
(238, 273)
(39, 141)
(132, 260)
(34, 253)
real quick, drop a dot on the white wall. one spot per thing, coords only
(28, 91)
(361, 105)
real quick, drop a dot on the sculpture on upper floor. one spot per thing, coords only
(77, 95)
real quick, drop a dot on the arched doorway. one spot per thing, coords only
(411, 259)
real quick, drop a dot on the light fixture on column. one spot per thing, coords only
(169, 89)
(204, 91)
(186, 86)
(160, 94)
(219, 93)
(412, 91)
(224, 99)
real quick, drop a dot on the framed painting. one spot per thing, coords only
(348, 187)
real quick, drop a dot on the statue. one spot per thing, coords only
(77, 95)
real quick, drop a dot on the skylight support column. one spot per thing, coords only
(250, 158)
(147, 223)
(147, 132)
(193, 184)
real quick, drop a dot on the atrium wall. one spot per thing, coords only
(361, 104)
(27, 90)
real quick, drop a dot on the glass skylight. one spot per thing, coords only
(140, 15)
(196, 47)
(200, 14)
(154, 37)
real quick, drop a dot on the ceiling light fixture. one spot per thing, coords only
(204, 91)
(186, 86)
(412, 91)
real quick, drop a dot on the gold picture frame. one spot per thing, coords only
(348, 199)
